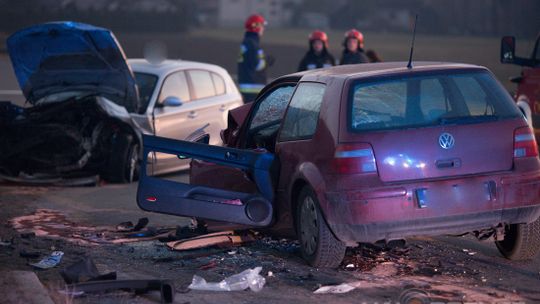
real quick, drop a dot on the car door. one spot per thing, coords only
(208, 110)
(171, 120)
(214, 192)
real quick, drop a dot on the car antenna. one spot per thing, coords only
(409, 65)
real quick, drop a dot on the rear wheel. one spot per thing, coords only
(521, 241)
(319, 246)
(124, 160)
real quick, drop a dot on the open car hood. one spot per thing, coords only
(68, 56)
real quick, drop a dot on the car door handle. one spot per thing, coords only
(192, 114)
(223, 108)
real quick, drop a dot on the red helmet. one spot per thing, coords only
(319, 35)
(254, 23)
(354, 33)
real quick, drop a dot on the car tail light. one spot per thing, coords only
(354, 158)
(525, 143)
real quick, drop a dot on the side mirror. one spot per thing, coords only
(508, 49)
(172, 101)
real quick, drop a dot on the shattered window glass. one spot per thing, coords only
(417, 101)
(303, 113)
(272, 108)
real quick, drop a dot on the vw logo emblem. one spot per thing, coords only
(446, 141)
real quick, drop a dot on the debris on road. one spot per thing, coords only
(84, 270)
(165, 287)
(128, 226)
(249, 278)
(341, 288)
(52, 223)
(5, 243)
(222, 239)
(50, 261)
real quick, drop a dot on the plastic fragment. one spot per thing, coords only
(50, 261)
(341, 288)
(249, 278)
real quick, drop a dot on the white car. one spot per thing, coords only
(182, 100)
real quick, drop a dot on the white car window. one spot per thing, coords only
(219, 84)
(175, 85)
(202, 83)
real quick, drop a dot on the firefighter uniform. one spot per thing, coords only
(251, 67)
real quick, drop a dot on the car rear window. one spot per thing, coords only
(426, 100)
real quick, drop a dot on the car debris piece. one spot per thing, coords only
(341, 288)
(50, 261)
(84, 270)
(165, 287)
(128, 226)
(249, 278)
(224, 238)
(5, 243)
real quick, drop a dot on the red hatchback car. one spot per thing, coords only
(366, 153)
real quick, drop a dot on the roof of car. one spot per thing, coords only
(373, 69)
(167, 66)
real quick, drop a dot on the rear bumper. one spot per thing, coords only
(432, 208)
(456, 224)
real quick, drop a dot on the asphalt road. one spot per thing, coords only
(445, 268)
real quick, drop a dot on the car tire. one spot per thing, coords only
(123, 164)
(318, 245)
(521, 241)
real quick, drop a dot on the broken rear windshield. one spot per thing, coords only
(433, 99)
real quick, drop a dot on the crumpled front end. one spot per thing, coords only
(62, 139)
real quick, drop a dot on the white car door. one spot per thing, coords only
(173, 119)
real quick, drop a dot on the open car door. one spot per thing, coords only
(220, 174)
(171, 197)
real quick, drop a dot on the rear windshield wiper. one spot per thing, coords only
(467, 119)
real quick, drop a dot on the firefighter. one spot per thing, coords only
(353, 48)
(252, 62)
(318, 55)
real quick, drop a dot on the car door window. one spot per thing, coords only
(272, 107)
(267, 117)
(301, 119)
(202, 83)
(175, 85)
(219, 84)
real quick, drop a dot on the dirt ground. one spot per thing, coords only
(446, 269)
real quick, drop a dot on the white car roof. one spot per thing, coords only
(167, 66)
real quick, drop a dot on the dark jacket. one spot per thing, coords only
(353, 58)
(313, 61)
(251, 63)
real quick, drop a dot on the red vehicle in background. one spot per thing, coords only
(528, 83)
